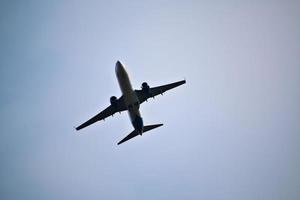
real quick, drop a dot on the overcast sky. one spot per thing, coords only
(232, 132)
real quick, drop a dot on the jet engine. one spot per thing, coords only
(113, 101)
(146, 88)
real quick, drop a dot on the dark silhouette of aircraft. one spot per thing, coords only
(130, 100)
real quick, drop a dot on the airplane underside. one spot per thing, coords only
(131, 100)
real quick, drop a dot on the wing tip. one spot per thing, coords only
(77, 128)
(121, 142)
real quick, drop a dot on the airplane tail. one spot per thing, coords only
(150, 127)
(135, 133)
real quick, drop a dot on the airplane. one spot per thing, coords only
(130, 101)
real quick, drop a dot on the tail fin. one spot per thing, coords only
(135, 133)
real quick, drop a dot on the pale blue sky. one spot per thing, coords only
(232, 132)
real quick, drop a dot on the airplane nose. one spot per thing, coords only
(118, 66)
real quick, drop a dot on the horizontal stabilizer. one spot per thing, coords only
(135, 133)
(150, 127)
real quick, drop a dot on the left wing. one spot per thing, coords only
(143, 95)
(110, 110)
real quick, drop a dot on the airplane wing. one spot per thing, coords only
(143, 95)
(110, 110)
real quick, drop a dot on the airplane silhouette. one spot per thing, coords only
(130, 101)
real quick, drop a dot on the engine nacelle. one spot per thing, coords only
(146, 88)
(113, 100)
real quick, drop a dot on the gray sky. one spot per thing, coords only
(232, 132)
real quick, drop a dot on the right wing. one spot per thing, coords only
(152, 92)
(110, 110)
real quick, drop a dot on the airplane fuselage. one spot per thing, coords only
(130, 97)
